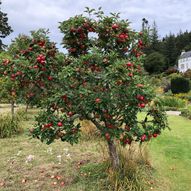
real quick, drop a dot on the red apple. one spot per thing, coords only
(127, 141)
(98, 100)
(140, 42)
(72, 30)
(86, 25)
(127, 128)
(50, 78)
(19, 73)
(72, 50)
(143, 137)
(107, 136)
(140, 97)
(130, 75)
(129, 64)
(141, 105)
(110, 126)
(59, 124)
(62, 183)
(140, 85)
(91, 29)
(115, 26)
(70, 114)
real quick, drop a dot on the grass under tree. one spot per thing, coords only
(28, 164)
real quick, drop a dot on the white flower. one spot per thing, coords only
(59, 157)
(29, 158)
(66, 150)
(68, 155)
(49, 151)
(19, 152)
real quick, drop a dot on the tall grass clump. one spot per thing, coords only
(9, 125)
(134, 172)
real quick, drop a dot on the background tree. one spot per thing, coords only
(170, 51)
(182, 41)
(9, 88)
(9, 93)
(154, 42)
(5, 29)
(154, 63)
(34, 66)
(170, 46)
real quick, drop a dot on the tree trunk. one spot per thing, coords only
(111, 146)
(12, 109)
(113, 154)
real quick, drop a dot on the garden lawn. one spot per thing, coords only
(29, 165)
(171, 155)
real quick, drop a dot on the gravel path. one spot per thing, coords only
(173, 112)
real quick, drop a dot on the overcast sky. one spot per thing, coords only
(27, 15)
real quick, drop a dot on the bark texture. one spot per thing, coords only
(113, 154)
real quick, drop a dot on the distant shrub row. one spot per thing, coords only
(172, 102)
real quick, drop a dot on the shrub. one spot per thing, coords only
(186, 96)
(186, 113)
(9, 126)
(180, 85)
(167, 88)
(174, 102)
(171, 70)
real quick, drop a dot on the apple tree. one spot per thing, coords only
(9, 88)
(103, 82)
(34, 66)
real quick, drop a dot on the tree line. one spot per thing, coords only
(163, 54)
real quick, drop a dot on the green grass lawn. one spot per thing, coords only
(61, 166)
(171, 155)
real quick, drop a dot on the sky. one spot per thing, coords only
(26, 15)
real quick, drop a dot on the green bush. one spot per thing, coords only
(180, 85)
(9, 126)
(186, 113)
(173, 102)
(186, 96)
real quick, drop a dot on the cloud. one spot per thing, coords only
(27, 15)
